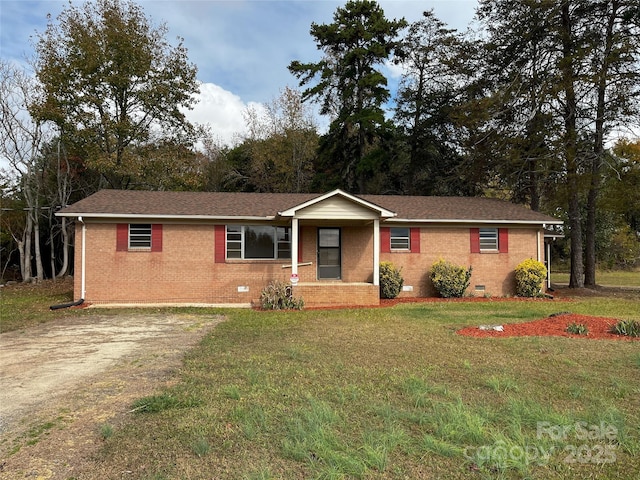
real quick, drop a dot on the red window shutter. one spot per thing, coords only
(156, 237)
(300, 245)
(415, 240)
(122, 237)
(385, 239)
(220, 239)
(475, 240)
(503, 240)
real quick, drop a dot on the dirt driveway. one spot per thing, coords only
(61, 381)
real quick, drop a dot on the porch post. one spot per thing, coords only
(548, 264)
(376, 252)
(294, 246)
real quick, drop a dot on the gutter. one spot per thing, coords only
(123, 216)
(82, 274)
(476, 221)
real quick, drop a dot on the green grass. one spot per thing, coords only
(22, 306)
(388, 393)
(614, 278)
(394, 393)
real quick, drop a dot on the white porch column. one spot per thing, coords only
(548, 265)
(294, 246)
(376, 252)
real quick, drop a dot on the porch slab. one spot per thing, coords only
(336, 293)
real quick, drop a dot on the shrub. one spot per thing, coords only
(577, 329)
(450, 280)
(277, 295)
(530, 275)
(391, 280)
(628, 328)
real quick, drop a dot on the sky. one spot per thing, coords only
(241, 47)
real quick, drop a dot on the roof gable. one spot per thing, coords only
(337, 205)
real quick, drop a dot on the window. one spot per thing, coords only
(258, 242)
(140, 235)
(489, 239)
(399, 238)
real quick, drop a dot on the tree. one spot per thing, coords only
(21, 138)
(110, 80)
(427, 91)
(614, 32)
(282, 144)
(351, 87)
(567, 73)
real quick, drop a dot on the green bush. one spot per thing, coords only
(530, 276)
(391, 280)
(577, 329)
(277, 295)
(628, 328)
(450, 280)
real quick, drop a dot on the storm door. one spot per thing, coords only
(329, 254)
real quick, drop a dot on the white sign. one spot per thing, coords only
(294, 279)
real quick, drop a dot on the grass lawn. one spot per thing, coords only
(22, 306)
(614, 278)
(391, 393)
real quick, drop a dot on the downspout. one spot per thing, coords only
(82, 273)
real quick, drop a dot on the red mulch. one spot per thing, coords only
(552, 326)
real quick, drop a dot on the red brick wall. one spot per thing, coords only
(337, 294)
(493, 270)
(186, 272)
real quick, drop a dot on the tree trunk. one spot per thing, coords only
(20, 244)
(25, 267)
(52, 248)
(598, 152)
(65, 249)
(576, 279)
(36, 244)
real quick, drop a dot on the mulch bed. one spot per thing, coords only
(552, 326)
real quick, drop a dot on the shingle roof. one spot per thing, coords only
(123, 203)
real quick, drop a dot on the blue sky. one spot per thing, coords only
(241, 47)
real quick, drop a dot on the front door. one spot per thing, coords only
(329, 254)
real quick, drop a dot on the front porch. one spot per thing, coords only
(334, 294)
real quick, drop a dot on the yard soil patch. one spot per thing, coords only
(555, 326)
(62, 380)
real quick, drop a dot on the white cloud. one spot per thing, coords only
(222, 110)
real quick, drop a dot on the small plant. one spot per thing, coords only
(106, 431)
(162, 402)
(450, 280)
(232, 392)
(201, 447)
(577, 329)
(278, 295)
(628, 328)
(391, 280)
(530, 275)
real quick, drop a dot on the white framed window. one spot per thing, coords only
(489, 239)
(400, 238)
(258, 242)
(139, 235)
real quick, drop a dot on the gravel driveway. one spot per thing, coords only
(93, 364)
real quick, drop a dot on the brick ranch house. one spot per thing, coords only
(147, 247)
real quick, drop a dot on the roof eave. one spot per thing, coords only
(163, 217)
(474, 221)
